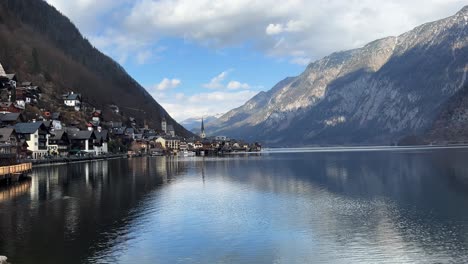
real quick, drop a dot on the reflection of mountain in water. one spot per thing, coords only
(75, 207)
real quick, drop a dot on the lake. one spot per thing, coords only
(353, 206)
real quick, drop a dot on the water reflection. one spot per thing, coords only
(378, 207)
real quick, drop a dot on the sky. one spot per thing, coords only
(201, 57)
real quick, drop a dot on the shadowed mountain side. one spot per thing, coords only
(378, 94)
(43, 46)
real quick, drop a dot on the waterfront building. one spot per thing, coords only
(58, 143)
(35, 134)
(81, 141)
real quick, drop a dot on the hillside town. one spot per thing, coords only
(47, 136)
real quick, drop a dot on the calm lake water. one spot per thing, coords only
(400, 206)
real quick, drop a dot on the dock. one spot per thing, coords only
(13, 173)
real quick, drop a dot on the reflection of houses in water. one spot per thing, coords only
(168, 166)
(15, 190)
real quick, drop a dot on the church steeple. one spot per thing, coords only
(202, 134)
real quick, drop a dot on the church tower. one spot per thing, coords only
(202, 134)
(164, 125)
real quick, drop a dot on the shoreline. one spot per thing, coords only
(361, 148)
(64, 161)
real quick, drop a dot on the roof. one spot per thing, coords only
(116, 124)
(57, 135)
(171, 138)
(5, 133)
(47, 123)
(73, 96)
(55, 115)
(81, 135)
(104, 134)
(11, 76)
(28, 128)
(5, 104)
(8, 117)
(2, 71)
(119, 130)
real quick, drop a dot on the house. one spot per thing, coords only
(9, 146)
(183, 146)
(10, 107)
(35, 134)
(73, 100)
(130, 133)
(96, 115)
(27, 94)
(101, 142)
(161, 141)
(10, 119)
(171, 130)
(56, 116)
(81, 140)
(114, 108)
(57, 125)
(58, 143)
(172, 143)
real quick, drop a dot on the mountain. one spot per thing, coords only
(41, 45)
(378, 94)
(193, 124)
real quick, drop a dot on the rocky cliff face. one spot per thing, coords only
(377, 94)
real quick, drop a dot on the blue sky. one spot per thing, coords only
(206, 57)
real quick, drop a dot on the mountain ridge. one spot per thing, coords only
(376, 94)
(68, 62)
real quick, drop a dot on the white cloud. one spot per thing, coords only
(301, 61)
(181, 106)
(291, 26)
(143, 56)
(234, 85)
(274, 29)
(216, 82)
(312, 27)
(167, 84)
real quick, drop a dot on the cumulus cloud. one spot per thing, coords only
(314, 28)
(274, 29)
(216, 82)
(291, 26)
(181, 106)
(284, 28)
(167, 84)
(301, 61)
(234, 85)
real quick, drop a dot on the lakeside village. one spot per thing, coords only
(47, 138)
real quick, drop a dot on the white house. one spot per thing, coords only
(36, 136)
(73, 100)
(162, 141)
(101, 141)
